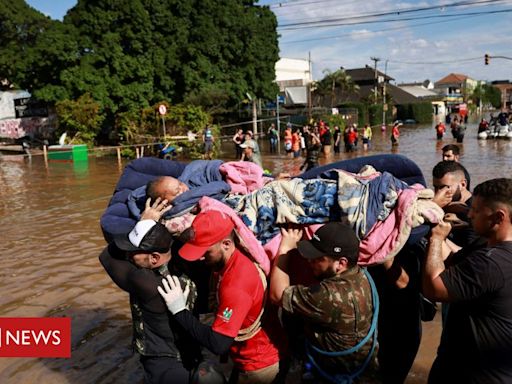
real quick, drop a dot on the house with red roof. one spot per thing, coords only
(455, 89)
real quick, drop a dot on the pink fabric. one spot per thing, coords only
(387, 237)
(249, 240)
(272, 246)
(178, 224)
(242, 176)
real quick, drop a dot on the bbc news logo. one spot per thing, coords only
(35, 337)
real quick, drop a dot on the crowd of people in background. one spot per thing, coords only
(457, 124)
(311, 140)
(307, 141)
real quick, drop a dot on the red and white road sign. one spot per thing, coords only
(162, 109)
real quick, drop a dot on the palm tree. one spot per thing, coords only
(332, 81)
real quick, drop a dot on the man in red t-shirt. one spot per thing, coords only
(395, 133)
(238, 326)
(440, 130)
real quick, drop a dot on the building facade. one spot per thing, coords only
(21, 116)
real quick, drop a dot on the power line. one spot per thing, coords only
(376, 31)
(285, 4)
(388, 13)
(398, 20)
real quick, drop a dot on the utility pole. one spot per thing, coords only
(260, 113)
(376, 60)
(384, 105)
(254, 114)
(254, 118)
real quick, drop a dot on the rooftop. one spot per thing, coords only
(453, 78)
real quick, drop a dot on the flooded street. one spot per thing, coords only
(51, 239)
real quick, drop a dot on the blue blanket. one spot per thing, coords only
(203, 177)
(129, 195)
(399, 166)
(358, 203)
(201, 172)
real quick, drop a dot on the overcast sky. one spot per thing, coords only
(418, 39)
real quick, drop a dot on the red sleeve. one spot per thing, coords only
(234, 305)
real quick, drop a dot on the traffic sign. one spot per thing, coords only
(162, 109)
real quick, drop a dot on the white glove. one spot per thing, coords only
(175, 298)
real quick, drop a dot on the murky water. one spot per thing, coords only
(50, 241)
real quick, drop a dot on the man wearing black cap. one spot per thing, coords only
(137, 263)
(338, 310)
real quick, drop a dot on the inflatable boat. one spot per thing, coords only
(498, 132)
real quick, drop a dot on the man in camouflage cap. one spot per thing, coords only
(338, 310)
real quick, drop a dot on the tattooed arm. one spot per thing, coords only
(433, 287)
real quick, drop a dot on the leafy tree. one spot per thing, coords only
(20, 28)
(80, 119)
(213, 100)
(54, 52)
(129, 54)
(114, 46)
(136, 127)
(140, 126)
(336, 85)
(133, 53)
(232, 45)
(181, 118)
(493, 95)
(334, 120)
(487, 94)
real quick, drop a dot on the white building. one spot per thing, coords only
(7, 98)
(293, 77)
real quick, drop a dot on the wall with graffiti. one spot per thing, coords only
(39, 127)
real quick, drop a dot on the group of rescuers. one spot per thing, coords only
(317, 309)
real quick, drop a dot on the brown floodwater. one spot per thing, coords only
(51, 239)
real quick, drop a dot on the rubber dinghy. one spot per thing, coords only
(497, 132)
